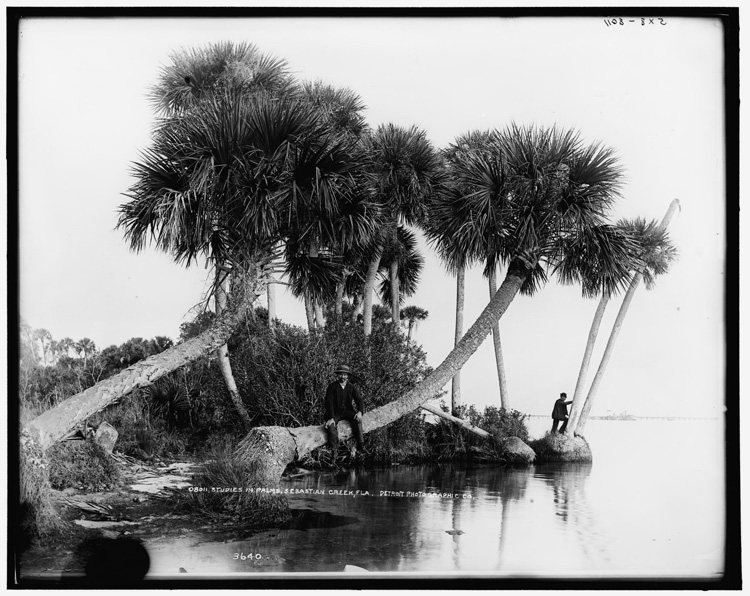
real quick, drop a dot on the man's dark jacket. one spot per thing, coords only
(339, 401)
(560, 411)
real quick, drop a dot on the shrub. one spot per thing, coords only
(75, 464)
(449, 441)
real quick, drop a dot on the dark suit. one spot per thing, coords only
(560, 412)
(343, 404)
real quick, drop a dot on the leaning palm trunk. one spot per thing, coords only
(674, 205)
(457, 421)
(49, 427)
(395, 297)
(222, 354)
(456, 383)
(499, 362)
(274, 447)
(578, 398)
(369, 291)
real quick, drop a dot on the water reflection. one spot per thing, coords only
(616, 516)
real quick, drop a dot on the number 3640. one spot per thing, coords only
(243, 556)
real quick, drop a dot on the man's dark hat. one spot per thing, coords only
(343, 368)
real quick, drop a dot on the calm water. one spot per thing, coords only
(650, 505)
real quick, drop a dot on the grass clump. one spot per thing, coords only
(81, 464)
(226, 486)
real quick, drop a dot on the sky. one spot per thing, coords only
(654, 92)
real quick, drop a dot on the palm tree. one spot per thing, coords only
(191, 88)
(406, 169)
(499, 362)
(578, 268)
(317, 248)
(402, 266)
(459, 330)
(539, 189)
(413, 315)
(86, 348)
(657, 255)
(472, 143)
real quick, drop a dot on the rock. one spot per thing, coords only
(558, 447)
(517, 452)
(106, 436)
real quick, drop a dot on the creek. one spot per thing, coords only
(651, 505)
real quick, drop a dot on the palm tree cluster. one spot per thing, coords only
(257, 173)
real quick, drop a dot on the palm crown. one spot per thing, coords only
(521, 197)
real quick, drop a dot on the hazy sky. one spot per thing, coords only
(654, 92)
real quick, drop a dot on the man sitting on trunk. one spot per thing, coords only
(343, 401)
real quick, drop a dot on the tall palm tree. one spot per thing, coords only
(657, 255)
(188, 88)
(406, 169)
(458, 333)
(401, 264)
(470, 144)
(497, 344)
(322, 238)
(595, 280)
(542, 187)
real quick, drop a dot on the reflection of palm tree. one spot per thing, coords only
(567, 481)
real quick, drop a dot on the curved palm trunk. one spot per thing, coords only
(222, 354)
(575, 408)
(369, 290)
(395, 295)
(499, 362)
(460, 290)
(288, 443)
(674, 205)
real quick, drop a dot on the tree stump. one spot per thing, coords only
(271, 449)
(106, 436)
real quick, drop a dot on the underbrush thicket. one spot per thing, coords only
(281, 375)
(449, 442)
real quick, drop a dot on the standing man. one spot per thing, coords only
(560, 412)
(343, 402)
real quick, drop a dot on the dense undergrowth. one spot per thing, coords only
(281, 375)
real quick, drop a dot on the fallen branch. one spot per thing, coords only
(462, 423)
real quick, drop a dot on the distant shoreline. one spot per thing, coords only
(631, 418)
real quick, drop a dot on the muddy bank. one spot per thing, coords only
(142, 508)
